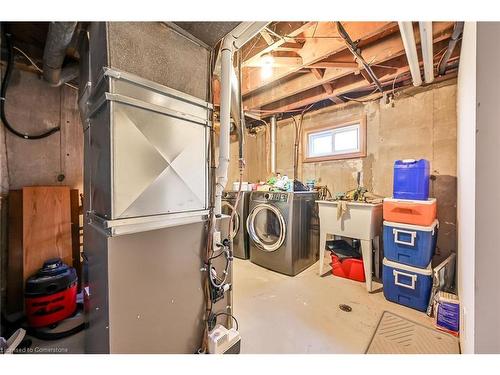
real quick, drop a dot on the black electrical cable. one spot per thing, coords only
(3, 97)
(214, 317)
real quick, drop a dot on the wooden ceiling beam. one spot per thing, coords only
(343, 86)
(377, 53)
(320, 42)
(255, 48)
(318, 73)
(333, 64)
(267, 37)
(328, 87)
(290, 47)
(279, 61)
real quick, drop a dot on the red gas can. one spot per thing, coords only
(50, 294)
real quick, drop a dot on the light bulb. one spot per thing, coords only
(267, 66)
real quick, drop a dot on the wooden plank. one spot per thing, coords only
(269, 40)
(75, 233)
(15, 253)
(324, 43)
(254, 49)
(290, 47)
(279, 61)
(336, 100)
(387, 49)
(328, 87)
(46, 226)
(334, 64)
(344, 86)
(318, 73)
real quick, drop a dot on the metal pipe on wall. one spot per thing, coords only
(457, 31)
(58, 39)
(273, 144)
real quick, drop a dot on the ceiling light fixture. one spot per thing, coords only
(267, 62)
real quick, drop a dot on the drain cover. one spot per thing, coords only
(345, 308)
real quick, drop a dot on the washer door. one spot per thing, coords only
(227, 209)
(266, 227)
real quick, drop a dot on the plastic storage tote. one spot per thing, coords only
(410, 211)
(410, 244)
(406, 285)
(411, 179)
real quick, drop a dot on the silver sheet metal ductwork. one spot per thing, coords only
(58, 39)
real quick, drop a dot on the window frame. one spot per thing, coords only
(337, 156)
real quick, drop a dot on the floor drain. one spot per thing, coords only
(345, 308)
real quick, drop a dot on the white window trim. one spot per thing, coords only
(360, 151)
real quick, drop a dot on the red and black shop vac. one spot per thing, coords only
(50, 294)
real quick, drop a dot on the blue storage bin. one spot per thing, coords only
(406, 285)
(412, 245)
(411, 179)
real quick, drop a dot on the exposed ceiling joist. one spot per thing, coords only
(254, 49)
(320, 42)
(343, 86)
(376, 53)
(279, 61)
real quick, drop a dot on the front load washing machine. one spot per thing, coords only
(283, 230)
(239, 233)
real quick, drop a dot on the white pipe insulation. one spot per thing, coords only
(406, 30)
(273, 144)
(230, 44)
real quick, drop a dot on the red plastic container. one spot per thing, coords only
(350, 268)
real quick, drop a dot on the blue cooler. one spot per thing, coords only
(406, 285)
(411, 179)
(412, 245)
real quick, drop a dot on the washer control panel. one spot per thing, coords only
(276, 197)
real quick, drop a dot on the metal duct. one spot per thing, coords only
(273, 144)
(58, 39)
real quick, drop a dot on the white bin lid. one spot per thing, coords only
(421, 271)
(427, 201)
(430, 228)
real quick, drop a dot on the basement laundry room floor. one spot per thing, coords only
(279, 314)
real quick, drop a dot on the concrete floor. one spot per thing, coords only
(283, 314)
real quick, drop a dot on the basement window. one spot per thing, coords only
(343, 141)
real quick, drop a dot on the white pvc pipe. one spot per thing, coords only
(273, 144)
(406, 30)
(427, 50)
(231, 43)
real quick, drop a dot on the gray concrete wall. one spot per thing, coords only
(33, 106)
(422, 124)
